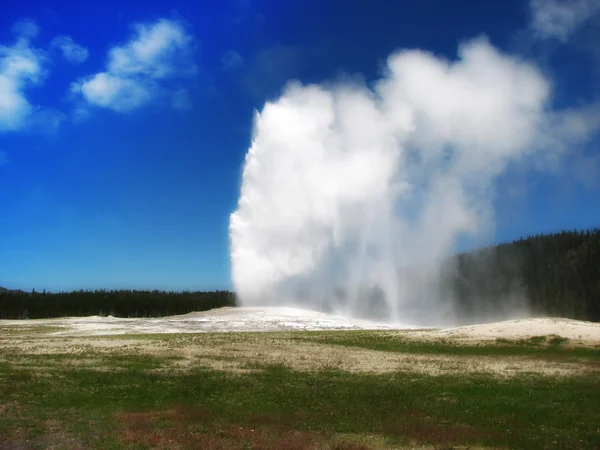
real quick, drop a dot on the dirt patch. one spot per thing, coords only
(184, 428)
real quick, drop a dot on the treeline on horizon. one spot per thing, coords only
(118, 303)
(548, 275)
(555, 275)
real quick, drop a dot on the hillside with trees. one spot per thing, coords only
(558, 275)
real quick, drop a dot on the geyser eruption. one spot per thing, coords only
(352, 197)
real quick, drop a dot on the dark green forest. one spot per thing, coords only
(555, 274)
(551, 275)
(122, 303)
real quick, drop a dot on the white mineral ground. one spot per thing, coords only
(292, 319)
(206, 340)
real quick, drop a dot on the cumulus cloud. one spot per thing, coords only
(110, 91)
(139, 71)
(158, 50)
(72, 51)
(21, 67)
(558, 19)
(348, 189)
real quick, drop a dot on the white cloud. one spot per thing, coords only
(73, 52)
(560, 18)
(346, 187)
(3, 158)
(231, 60)
(138, 71)
(21, 67)
(120, 94)
(159, 50)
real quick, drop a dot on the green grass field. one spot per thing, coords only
(321, 390)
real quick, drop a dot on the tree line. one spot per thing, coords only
(118, 303)
(551, 274)
(548, 275)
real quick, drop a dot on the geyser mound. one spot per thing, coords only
(353, 197)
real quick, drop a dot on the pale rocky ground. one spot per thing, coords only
(291, 319)
(221, 339)
(575, 330)
(217, 320)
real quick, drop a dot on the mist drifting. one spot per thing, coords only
(353, 197)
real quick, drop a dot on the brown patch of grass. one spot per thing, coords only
(142, 428)
(9, 445)
(187, 427)
(350, 446)
(438, 433)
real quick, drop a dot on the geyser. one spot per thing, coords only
(353, 196)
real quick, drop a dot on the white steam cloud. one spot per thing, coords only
(352, 197)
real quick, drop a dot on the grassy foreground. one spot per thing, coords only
(164, 392)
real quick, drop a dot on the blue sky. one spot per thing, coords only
(124, 125)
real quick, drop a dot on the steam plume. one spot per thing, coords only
(352, 197)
